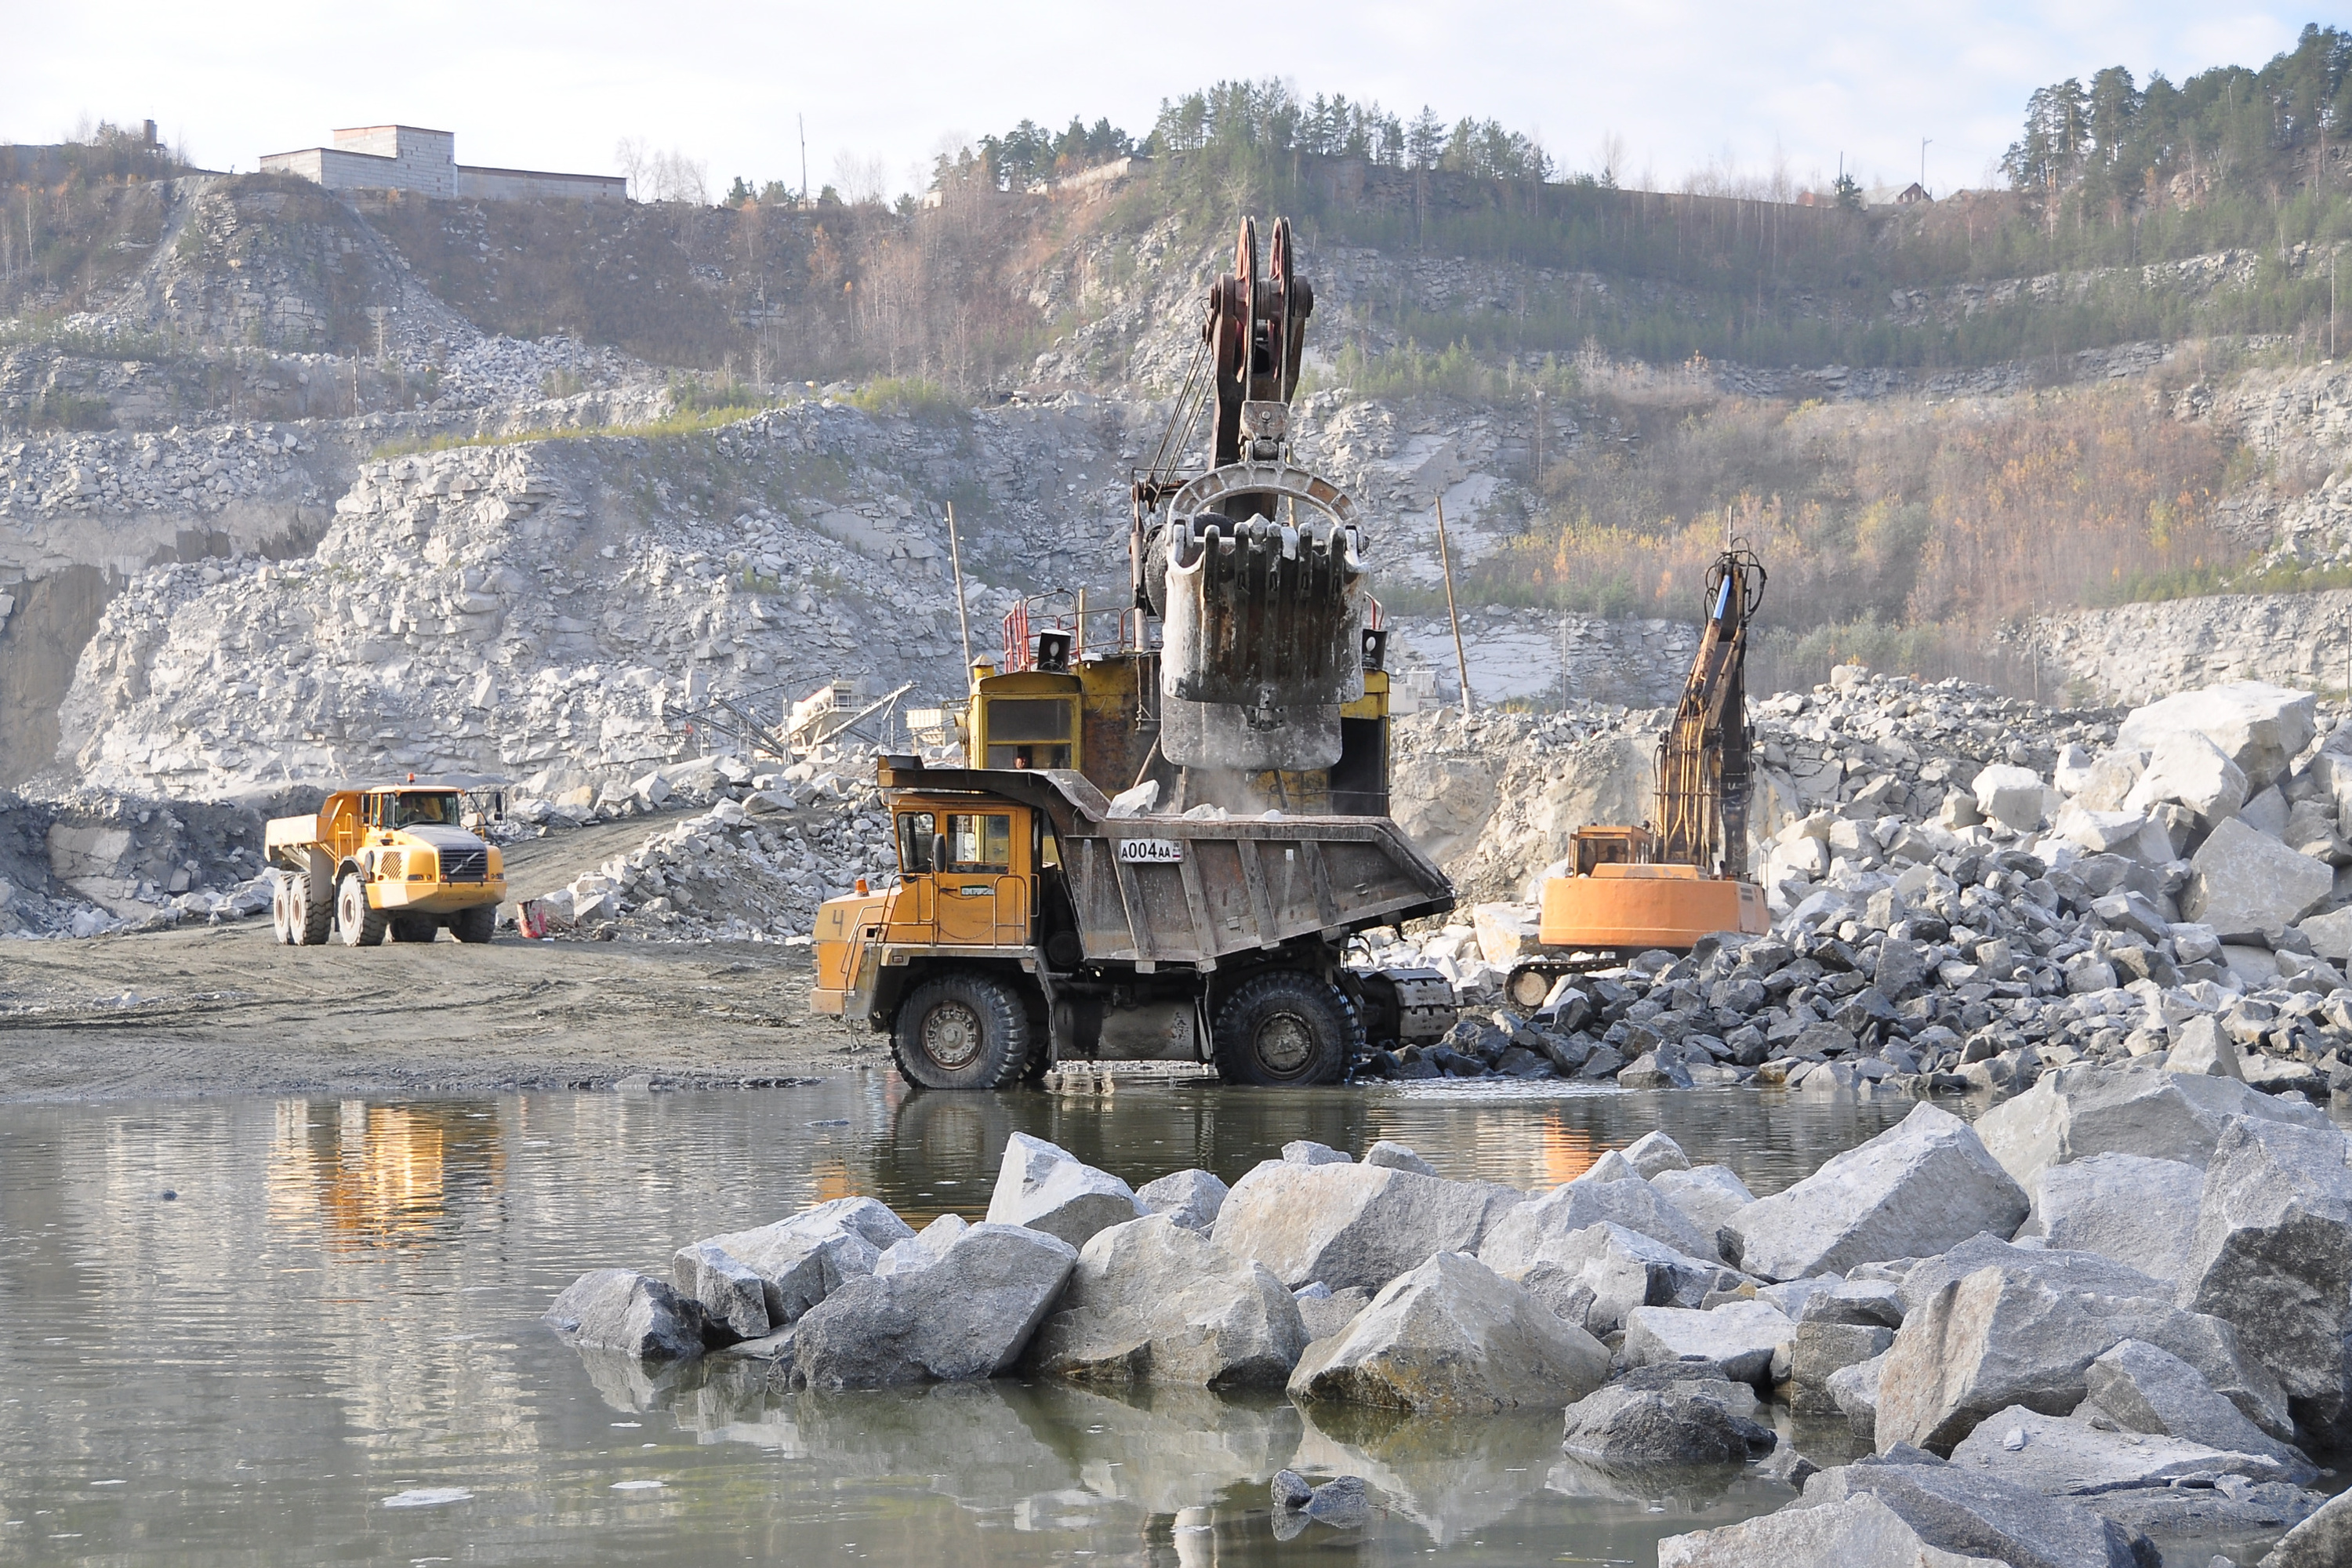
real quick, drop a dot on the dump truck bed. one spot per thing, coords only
(1176, 890)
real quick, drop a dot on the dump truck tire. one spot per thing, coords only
(962, 1030)
(415, 928)
(307, 916)
(361, 925)
(1287, 1029)
(476, 924)
(280, 925)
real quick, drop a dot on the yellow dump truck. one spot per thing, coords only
(396, 861)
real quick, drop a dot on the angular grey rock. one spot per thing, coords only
(1709, 1196)
(1871, 1303)
(2074, 1273)
(1613, 1166)
(1664, 1415)
(2010, 795)
(1520, 1238)
(2190, 771)
(2247, 882)
(2260, 727)
(731, 1292)
(2143, 1387)
(969, 1315)
(1151, 1301)
(2062, 1458)
(1306, 1151)
(2200, 1047)
(1354, 1225)
(1858, 1531)
(2323, 1541)
(622, 1309)
(1048, 1189)
(2137, 1211)
(1821, 1351)
(2002, 1337)
(1741, 1338)
(1915, 1189)
(1342, 1502)
(1191, 1198)
(1395, 1157)
(1855, 1391)
(1960, 1510)
(2078, 1112)
(1625, 1270)
(1452, 1337)
(1327, 1313)
(923, 1248)
(1653, 1152)
(806, 1257)
(2272, 1252)
(1290, 1489)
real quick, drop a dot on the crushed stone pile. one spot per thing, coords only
(1979, 1306)
(748, 869)
(2177, 895)
(90, 863)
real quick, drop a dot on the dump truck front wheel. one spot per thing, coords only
(475, 924)
(362, 926)
(962, 1030)
(415, 928)
(1287, 1029)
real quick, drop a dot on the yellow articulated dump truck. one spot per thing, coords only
(396, 861)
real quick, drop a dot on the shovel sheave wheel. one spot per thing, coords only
(1287, 1028)
(962, 1030)
(360, 924)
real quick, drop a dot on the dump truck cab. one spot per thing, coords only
(396, 860)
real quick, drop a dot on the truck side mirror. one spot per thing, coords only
(938, 852)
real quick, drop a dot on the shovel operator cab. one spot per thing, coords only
(1031, 926)
(397, 860)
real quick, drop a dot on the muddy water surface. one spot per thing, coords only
(325, 1347)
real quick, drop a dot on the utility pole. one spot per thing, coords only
(1445, 559)
(1922, 164)
(801, 121)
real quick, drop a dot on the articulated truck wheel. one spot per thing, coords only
(280, 924)
(306, 917)
(1287, 1029)
(415, 928)
(964, 1030)
(361, 925)
(475, 924)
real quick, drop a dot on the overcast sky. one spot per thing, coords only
(1686, 83)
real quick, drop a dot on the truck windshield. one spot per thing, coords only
(915, 830)
(422, 807)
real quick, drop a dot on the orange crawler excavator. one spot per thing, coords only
(1669, 883)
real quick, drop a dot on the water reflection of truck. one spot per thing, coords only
(1180, 811)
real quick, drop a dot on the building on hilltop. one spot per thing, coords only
(407, 158)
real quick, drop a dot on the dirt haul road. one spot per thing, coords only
(226, 1010)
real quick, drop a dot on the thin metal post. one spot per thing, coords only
(1445, 559)
(963, 617)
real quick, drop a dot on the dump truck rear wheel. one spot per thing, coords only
(415, 928)
(1286, 1029)
(280, 924)
(475, 924)
(361, 925)
(962, 1031)
(307, 918)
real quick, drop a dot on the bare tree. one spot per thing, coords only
(862, 181)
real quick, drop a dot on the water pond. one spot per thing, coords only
(325, 1346)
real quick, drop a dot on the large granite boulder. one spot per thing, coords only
(1820, 1352)
(1351, 1225)
(1709, 1196)
(1666, 1416)
(2273, 1255)
(2074, 1112)
(1915, 1189)
(732, 1296)
(622, 1309)
(1191, 1198)
(1454, 1336)
(2064, 1457)
(2260, 727)
(1048, 1189)
(1856, 1532)
(1741, 1338)
(1152, 1301)
(969, 1315)
(1653, 1152)
(799, 1261)
(2145, 1388)
(2004, 1336)
(2133, 1209)
(2322, 1541)
(1624, 1269)
(1528, 1234)
(2245, 883)
(1960, 1510)
(2189, 771)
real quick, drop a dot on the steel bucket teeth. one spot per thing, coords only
(1261, 615)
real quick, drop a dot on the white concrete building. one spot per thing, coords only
(408, 158)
